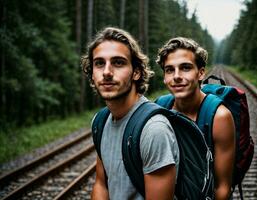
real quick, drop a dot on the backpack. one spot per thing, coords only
(235, 100)
(195, 177)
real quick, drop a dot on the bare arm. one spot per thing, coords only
(160, 184)
(224, 152)
(100, 191)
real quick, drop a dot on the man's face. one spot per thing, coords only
(112, 70)
(181, 75)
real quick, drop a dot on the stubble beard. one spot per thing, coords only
(121, 95)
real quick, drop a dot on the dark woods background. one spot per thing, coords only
(42, 41)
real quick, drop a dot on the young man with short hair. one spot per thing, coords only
(183, 62)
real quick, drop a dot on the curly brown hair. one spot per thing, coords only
(138, 59)
(201, 55)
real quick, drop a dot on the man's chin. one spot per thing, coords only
(115, 96)
(180, 95)
(109, 97)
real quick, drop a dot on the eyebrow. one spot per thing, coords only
(167, 66)
(186, 63)
(181, 64)
(98, 58)
(119, 57)
(112, 58)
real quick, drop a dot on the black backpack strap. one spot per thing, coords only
(165, 101)
(191, 146)
(195, 156)
(206, 115)
(240, 190)
(131, 143)
(97, 128)
(206, 81)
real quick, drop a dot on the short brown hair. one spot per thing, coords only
(201, 55)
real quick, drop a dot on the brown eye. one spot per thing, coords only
(119, 62)
(186, 67)
(99, 63)
(168, 70)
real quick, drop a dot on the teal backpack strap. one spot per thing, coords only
(206, 115)
(165, 101)
(97, 128)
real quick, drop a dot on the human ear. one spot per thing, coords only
(201, 73)
(136, 74)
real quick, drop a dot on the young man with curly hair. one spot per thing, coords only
(119, 72)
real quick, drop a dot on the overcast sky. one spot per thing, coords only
(218, 16)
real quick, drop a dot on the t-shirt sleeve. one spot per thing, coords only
(158, 144)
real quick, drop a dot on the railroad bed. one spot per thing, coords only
(67, 169)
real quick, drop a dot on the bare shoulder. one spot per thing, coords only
(223, 112)
(223, 124)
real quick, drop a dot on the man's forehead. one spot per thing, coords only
(111, 49)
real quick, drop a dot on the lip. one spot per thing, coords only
(178, 87)
(107, 85)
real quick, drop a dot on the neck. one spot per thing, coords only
(120, 107)
(190, 106)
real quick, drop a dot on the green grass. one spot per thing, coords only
(23, 140)
(249, 75)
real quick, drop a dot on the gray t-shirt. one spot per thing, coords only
(158, 147)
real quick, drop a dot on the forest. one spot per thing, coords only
(240, 47)
(42, 42)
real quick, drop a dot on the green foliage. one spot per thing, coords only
(38, 61)
(248, 75)
(40, 77)
(169, 19)
(104, 14)
(23, 140)
(240, 47)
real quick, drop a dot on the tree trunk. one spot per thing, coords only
(143, 24)
(122, 13)
(90, 20)
(2, 71)
(78, 25)
(90, 12)
(78, 41)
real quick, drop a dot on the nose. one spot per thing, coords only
(177, 75)
(108, 70)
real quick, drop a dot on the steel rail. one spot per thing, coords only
(76, 182)
(244, 83)
(14, 173)
(20, 190)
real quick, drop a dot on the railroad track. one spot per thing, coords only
(54, 174)
(250, 181)
(68, 170)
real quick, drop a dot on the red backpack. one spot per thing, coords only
(235, 100)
